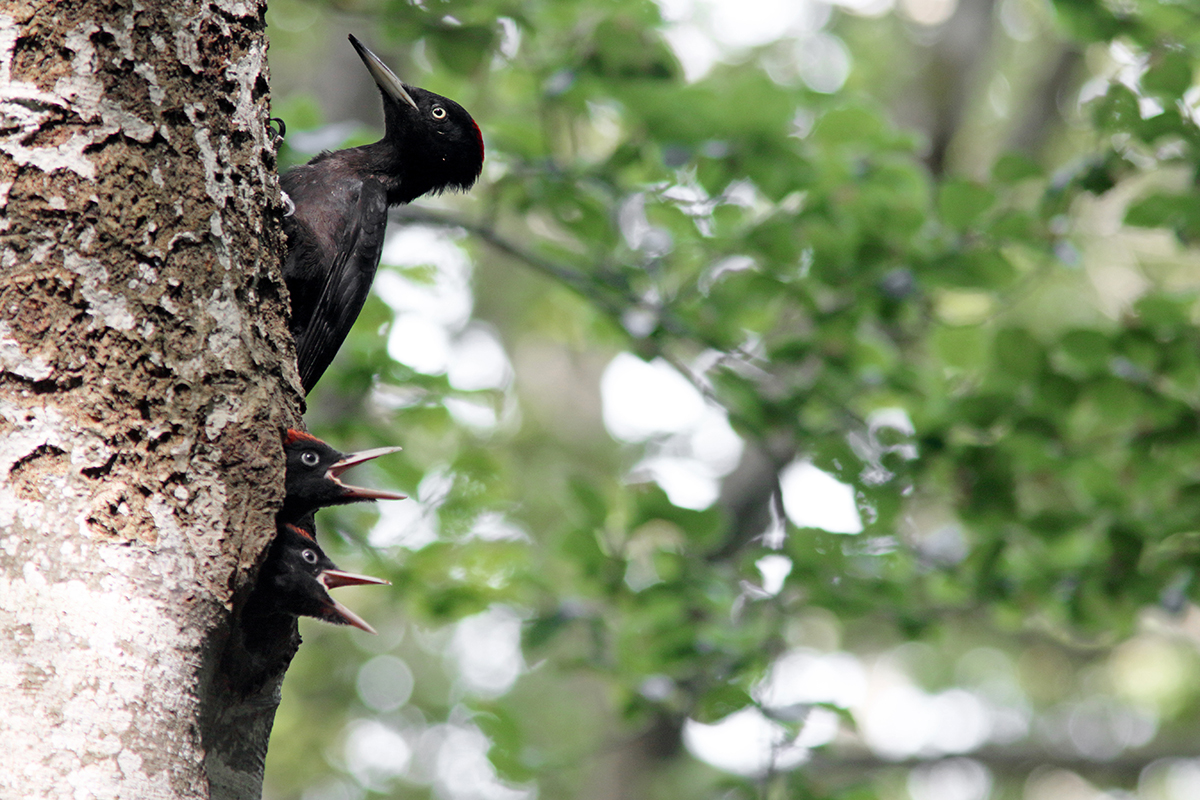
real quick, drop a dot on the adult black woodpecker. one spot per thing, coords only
(335, 234)
(295, 580)
(313, 478)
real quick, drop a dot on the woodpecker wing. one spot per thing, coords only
(347, 282)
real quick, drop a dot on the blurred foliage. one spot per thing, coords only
(1002, 245)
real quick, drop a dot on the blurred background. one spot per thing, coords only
(802, 405)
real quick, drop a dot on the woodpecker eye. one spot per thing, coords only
(310, 556)
(309, 458)
(438, 112)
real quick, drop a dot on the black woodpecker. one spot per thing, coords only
(340, 199)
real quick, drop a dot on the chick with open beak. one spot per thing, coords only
(313, 478)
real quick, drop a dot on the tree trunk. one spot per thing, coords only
(145, 373)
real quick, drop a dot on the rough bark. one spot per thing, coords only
(145, 373)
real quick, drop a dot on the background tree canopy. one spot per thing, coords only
(804, 404)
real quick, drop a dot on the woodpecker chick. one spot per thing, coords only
(313, 477)
(296, 578)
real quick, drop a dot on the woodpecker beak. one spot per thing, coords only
(385, 79)
(346, 616)
(338, 613)
(359, 492)
(333, 578)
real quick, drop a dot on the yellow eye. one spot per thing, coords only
(438, 112)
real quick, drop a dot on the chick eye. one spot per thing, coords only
(438, 112)
(309, 458)
(310, 556)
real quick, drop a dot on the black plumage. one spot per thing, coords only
(340, 200)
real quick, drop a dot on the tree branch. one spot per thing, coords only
(1010, 761)
(576, 281)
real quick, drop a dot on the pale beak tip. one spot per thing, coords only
(350, 618)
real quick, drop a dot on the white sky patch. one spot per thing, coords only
(1179, 778)
(692, 444)
(867, 8)
(419, 342)
(702, 32)
(744, 743)
(478, 361)
(1098, 728)
(751, 23)
(808, 676)
(404, 523)
(928, 12)
(714, 442)
(445, 296)
(431, 308)
(902, 721)
(510, 33)
(694, 48)
(487, 650)
(896, 419)
(951, 779)
(431, 331)
(897, 723)
(436, 486)
(479, 416)
(815, 499)
(899, 720)
(775, 569)
(492, 526)
(413, 523)
(642, 400)
(687, 483)
(464, 771)
(375, 754)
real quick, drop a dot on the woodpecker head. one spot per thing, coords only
(313, 478)
(297, 576)
(436, 144)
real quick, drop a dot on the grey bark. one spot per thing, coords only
(145, 373)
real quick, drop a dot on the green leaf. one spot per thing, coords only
(1158, 210)
(502, 728)
(1018, 354)
(718, 703)
(848, 124)
(1117, 110)
(1014, 167)
(1086, 352)
(1165, 311)
(962, 202)
(541, 630)
(463, 49)
(1169, 74)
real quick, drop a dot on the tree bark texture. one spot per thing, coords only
(145, 374)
